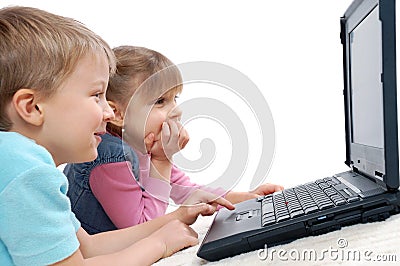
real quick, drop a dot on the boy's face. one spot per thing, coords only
(77, 113)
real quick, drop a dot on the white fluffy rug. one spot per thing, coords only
(362, 244)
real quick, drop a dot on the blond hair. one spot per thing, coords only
(39, 50)
(154, 73)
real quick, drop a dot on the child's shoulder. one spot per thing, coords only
(15, 144)
(112, 146)
(113, 149)
(19, 154)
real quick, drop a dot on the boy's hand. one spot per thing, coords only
(173, 138)
(173, 237)
(189, 214)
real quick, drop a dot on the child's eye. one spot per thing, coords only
(98, 95)
(176, 97)
(160, 101)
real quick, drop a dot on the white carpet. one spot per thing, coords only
(361, 244)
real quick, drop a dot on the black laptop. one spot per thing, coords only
(369, 190)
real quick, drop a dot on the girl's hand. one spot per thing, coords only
(262, 190)
(266, 189)
(200, 202)
(174, 138)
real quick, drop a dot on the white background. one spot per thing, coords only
(290, 49)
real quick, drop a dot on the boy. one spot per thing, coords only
(53, 79)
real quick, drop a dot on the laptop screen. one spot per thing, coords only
(366, 85)
(368, 38)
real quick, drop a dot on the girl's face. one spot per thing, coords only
(146, 116)
(163, 108)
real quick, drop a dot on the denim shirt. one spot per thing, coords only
(84, 204)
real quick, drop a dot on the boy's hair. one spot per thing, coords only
(39, 50)
(141, 67)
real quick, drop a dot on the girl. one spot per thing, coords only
(118, 189)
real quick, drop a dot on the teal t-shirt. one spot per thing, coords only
(37, 226)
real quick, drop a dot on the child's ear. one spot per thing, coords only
(119, 114)
(25, 104)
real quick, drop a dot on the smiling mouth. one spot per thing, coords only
(99, 133)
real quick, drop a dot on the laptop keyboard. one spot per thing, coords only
(304, 199)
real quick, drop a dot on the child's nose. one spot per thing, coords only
(175, 113)
(108, 113)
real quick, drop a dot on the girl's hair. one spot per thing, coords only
(39, 50)
(139, 67)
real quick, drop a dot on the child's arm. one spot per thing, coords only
(264, 189)
(114, 247)
(173, 138)
(141, 244)
(115, 183)
(113, 241)
(122, 198)
(161, 169)
(183, 187)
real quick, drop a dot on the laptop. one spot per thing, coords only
(368, 191)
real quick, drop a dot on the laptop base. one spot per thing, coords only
(241, 230)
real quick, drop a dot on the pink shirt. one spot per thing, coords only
(128, 202)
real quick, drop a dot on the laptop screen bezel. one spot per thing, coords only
(380, 164)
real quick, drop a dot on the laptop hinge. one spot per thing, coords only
(372, 178)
